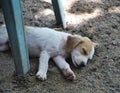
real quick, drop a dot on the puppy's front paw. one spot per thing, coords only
(69, 74)
(41, 76)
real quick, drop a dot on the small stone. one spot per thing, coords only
(36, 23)
(114, 43)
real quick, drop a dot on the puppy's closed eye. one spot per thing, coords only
(84, 51)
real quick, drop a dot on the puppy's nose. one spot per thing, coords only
(82, 64)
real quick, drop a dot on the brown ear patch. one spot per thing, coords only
(72, 42)
(96, 44)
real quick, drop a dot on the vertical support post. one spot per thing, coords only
(14, 23)
(59, 12)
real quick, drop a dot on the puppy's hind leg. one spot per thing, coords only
(65, 68)
(43, 65)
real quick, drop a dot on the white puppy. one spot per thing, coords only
(47, 43)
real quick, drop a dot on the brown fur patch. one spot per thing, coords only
(86, 47)
(83, 44)
(72, 42)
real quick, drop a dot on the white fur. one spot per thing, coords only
(92, 53)
(64, 66)
(78, 58)
(39, 39)
(47, 43)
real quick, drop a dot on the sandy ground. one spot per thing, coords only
(97, 19)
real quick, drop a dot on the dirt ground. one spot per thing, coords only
(97, 19)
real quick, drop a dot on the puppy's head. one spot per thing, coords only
(81, 49)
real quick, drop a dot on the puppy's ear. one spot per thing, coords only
(96, 44)
(72, 42)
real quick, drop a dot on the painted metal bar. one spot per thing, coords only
(59, 12)
(14, 23)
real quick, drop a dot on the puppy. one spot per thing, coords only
(47, 43)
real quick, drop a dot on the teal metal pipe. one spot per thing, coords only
(14, 23)
(59, 12)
